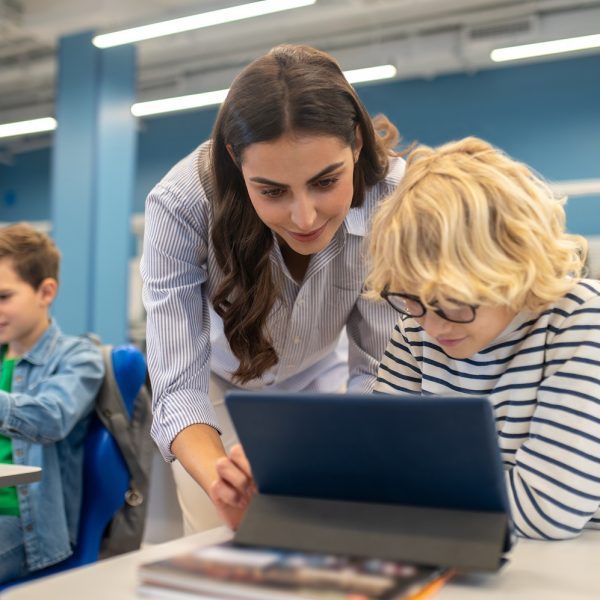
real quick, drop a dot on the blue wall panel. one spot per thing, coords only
(24, 187)
(165, 140)
(546, 114)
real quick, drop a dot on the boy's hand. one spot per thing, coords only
(234, 488)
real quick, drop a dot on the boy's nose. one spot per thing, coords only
(434, 325)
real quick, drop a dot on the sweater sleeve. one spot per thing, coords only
(554, 487)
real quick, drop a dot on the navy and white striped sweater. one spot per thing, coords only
(542, 376)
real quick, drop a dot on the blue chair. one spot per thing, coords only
(105, 474)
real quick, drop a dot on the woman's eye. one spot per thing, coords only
(324, 184)
(272, 192)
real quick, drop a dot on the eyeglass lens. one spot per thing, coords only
(461, 313)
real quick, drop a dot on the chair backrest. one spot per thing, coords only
(106, 477)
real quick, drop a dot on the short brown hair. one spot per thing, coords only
(34, 255)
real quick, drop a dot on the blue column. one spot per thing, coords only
(115, 171)
(73, 179)
(92, 185)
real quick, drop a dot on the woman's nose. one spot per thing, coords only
(304, 213)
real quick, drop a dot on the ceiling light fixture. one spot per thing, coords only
(573, 44)
(207, 19)
(166, 105)
(371, 74)
(27, 127)
(155, 107)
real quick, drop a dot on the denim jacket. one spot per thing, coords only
(47, 414)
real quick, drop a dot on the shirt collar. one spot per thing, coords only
(38, 354)
(355, 222)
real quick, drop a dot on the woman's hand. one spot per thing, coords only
(234, 488)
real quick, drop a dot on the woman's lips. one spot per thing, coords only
(308, 237)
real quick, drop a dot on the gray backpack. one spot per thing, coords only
(132, 435)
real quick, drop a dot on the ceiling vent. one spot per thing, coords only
(11, 11)
(498, 30)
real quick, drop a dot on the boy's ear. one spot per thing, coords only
(47, 290)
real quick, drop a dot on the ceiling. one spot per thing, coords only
(423, 38)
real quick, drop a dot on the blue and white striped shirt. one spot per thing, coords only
(542, 376)
(185, 337)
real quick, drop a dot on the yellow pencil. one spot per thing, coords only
(433, 587)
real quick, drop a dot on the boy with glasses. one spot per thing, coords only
(472, 253)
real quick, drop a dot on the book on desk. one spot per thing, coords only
(228, 571)
(407, 481)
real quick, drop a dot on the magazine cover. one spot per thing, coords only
(228, 571)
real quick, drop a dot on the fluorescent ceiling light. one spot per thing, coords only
(155, 107)
(371, 74)
(207, 19)
(26, 127)
(573, 44)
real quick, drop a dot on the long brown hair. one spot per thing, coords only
(291, 89)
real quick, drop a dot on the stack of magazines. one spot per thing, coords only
(236, 573)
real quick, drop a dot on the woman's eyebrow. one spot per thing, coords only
(326, 171)
(320, 174)
(267, 181)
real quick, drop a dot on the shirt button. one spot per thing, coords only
(297, 340)
(29, 527)
(300, 302)
(18, 379)
(19, 452)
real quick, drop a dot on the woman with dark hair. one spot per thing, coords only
(253, 264)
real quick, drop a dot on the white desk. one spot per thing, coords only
(16, 474)
(567, 570)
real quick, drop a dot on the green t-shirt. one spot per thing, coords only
(9, 501)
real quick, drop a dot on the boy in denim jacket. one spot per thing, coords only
(48, 384)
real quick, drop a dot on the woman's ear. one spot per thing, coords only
(358, 143)
(232, 155)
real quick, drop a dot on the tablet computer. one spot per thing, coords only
(438, 451)
(413, 478)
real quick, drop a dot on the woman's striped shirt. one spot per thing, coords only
(542, 376)
(185, 338)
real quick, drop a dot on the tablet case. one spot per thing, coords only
(408, 478)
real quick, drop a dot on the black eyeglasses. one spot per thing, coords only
(411, 306)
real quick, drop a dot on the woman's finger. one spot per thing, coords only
(238, 456)
(227, 495)
(228, 471)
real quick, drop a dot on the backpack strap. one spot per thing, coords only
(116, 421)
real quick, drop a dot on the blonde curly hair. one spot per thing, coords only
(469, 224)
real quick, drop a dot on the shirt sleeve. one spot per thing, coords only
(554, 486)
(399, 371)
(53, 407)
(174, 273)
